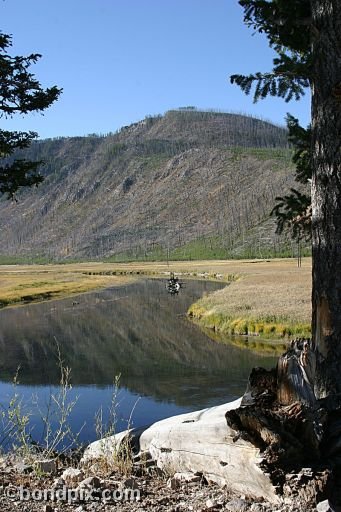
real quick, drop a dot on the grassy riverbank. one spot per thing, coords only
(31, 283)
(270, 299)
(21, 284)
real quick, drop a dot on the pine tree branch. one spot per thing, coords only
(20, 92)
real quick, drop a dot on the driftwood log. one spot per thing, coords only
(198, 442)
(277, 441)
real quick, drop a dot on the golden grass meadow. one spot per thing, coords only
(271, 299)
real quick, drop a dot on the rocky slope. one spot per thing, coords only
(63, 488)
(188, 184)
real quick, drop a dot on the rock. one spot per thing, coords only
(90, 482)
(45, 466)
(130, 483)
(142, 466)
(48, 508)
(188, 477)
(306, 471)
(95, 468)
(92, 506)
(173, 483)
(72, 476)
(23, 468)
(79, 509)
(237, 505)
(256, 507)
(210, 504)
(58, 483)
(324, 506)
(154, 471)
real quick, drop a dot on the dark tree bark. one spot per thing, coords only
(326, 195)
(293, 414)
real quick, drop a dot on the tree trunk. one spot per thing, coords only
(326, 195)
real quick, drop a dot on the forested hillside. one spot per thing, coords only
(185, 185)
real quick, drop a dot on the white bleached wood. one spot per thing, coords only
(201, 442)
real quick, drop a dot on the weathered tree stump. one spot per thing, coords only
(296, 373)
(280, 414)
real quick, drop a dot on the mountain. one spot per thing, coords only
(186, 184)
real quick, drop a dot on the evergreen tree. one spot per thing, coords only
(20, 93)
(306, 35)
(293, 211)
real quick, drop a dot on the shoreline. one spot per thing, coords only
(26, 284)
(32, 293)
(227, 325)
(256, 344)
(111, 474)
(248, 305)
(68, 489)
(270, 303)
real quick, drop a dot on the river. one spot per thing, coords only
(139, 332)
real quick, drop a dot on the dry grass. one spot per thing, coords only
(271, 299)
(26, 284)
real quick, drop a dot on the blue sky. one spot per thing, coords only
(120, 60)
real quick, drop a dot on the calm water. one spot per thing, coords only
(167, 365)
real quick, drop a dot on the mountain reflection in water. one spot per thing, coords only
(138, 331)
